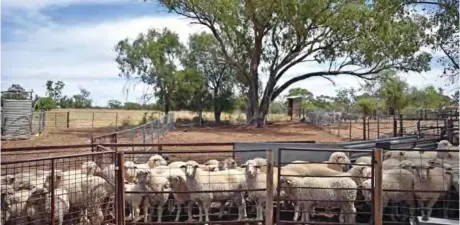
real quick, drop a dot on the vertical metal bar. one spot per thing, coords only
(368, 128)
(68, 119)
(395, 126)
(120, 175)
(269, 201)
(53, 192)
(378, 127)
(278, 188)
(378, 208)
(143, 136)
(401, 125)
(364, 127)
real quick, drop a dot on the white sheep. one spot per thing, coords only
(444, 145)
(393, 180)
(338, 157)
(14, 205)
(156, 160)
(131, 169)
(228, 163)
(429, 178)
(199, 180)
(156, 183)
(179, 190)
(61, 204)
(321, 191)
(257, 179)
(364, 159)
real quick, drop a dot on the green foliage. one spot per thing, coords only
(17, 92)
(54, 89)
(393, 91)
(152, 59)
(367, 104)
(45, 103)
(114, 104)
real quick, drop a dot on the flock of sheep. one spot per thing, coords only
(86, 195)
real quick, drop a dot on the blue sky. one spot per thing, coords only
(73, 40)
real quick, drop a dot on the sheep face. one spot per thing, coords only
(190, 168)
(89, 168)
(339, 157)
(422, 170)
(130, 169)
(394, 154)
(251, 168)
(365, 173)
(8, 179)
(57, 180)
(287, 186)
(229, 163)
(142, 177)
(444, 144)
(156, 160)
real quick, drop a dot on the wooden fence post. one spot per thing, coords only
(378, 127)
(92, 121)
(378, 189)
(364, 127)
(395, 126)
(68, 119)
(401, 126)
(120, 189)
(269, 202)
(350, 130)
(368, 128)
(116, 120)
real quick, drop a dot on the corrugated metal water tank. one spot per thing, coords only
(16, 118)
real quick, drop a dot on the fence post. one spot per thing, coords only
(378, 127)
(377, 192)
(68, 119)
(92, 121)
(395, 126)
(120, 189)
(53, 192)
(349, 130)
(364, 127)
(116, 120)
(368, 129)
(269, 202)
(401, 126)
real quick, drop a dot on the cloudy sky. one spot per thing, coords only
(73, 40)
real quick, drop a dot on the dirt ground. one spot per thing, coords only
(274, 132)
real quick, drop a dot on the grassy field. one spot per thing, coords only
(97, 118)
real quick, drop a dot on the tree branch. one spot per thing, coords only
(450, 57)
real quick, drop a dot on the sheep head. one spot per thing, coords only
(422, 169)
(339, 157)
(229, 163)
(57, 180)
(143, 177)
(190, 168)
(251, 167)
(366, 187)
(394, 154)
(90, 168)
(8, 179)
(444, 144)
(156, 160)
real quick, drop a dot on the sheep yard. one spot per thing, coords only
(230, 174)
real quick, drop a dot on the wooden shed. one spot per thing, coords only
(295, 106)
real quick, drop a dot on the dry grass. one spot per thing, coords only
(97, 118)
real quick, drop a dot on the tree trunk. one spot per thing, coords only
(217, 113)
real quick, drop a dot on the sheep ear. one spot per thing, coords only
(183, 167)
(401, 153)
(243, 166)
(196, 166)
(449, 172)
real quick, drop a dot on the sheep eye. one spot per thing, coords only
(413, 167)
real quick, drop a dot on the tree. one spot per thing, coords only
(114, 104)
(132, 106)
(456, 98)
(206, 57)
(54, 90)
(152, 59)
(367, 103)
(45, 103)
(393, 91)
(82, 100)
(306, 94)
(16, 91)
(274, 36)
(444, 15)
(345, 98)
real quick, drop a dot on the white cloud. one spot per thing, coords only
(82, 55)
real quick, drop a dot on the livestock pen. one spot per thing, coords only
(107, 201)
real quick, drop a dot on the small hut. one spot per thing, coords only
(295, 106)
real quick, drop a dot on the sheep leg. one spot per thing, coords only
(421, 204)
(159, 212)
(179, 209)
(242, 210)
(296, 212)
(200, 212)
(306, 214)
(221, 210)
(429, 208)
(350, 213)
(146, 213)
(189, 210)
(206, 206)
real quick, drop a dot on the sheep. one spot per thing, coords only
(211, 165)
(364, 159)
(178, 184)
(444, 145)
(154, 182)
(156, 160)
(61, 204)
(262, 163)
(393, 179)
(228, 163)
(322, 197)
(29, 180)
(13, 204)
(85, 192)
(135, 200)
(199, 180)
(428, 178)
(176, 164)
(131, 168)
(338, 157)
(257, 179)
